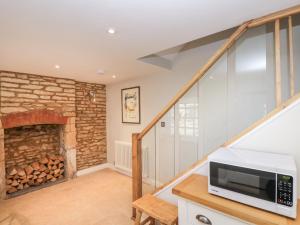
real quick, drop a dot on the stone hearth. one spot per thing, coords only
(67, 137)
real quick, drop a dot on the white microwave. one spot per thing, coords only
(263, 180)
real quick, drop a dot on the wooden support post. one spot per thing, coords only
(138, 218)
(277, 63)
(136, 170)
(149, 220)
(291, 57)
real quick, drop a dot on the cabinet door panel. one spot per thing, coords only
(214, 217)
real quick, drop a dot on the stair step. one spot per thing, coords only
(158, 209)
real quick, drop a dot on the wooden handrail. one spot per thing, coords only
(196, 77)
(137, 137)
(253, 23)
(274, 16)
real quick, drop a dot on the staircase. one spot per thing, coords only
(249, 82)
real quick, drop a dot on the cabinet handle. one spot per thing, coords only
(203, 219)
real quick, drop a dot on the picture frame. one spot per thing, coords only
(131, 105)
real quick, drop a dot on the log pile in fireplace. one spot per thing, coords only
(48, 169)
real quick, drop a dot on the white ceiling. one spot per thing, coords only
(37, 34)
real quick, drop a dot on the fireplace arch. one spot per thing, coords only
(34, 117)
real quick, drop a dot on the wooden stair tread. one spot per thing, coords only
(157, 208)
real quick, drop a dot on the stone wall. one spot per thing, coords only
(24, 92)
(27, 144)
(21, 92)
(90, 125)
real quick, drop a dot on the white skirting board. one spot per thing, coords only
(102, 167)
(94, 169)
(112, 167)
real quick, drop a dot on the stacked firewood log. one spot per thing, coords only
(48, 169)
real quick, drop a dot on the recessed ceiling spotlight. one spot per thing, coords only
(100, 72)
(114, 76)
(57, 66)
(111, 31)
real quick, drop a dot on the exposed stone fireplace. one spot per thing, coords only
(55, 116)
(43, 141)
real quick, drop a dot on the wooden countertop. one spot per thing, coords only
(195, 187)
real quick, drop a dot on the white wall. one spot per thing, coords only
(156, 91)
(278, 135)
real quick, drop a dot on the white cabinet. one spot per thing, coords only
(190, 213)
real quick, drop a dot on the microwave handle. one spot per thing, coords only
(203, 219)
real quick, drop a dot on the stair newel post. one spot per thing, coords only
(136, 169)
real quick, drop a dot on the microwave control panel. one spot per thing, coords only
(285, 190)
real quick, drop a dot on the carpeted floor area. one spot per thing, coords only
(100, 198)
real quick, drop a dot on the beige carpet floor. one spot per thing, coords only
(100, 198)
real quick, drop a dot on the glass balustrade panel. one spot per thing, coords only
(186, 130)
(250, 79)
(148, 161)
(212, 101)
(165, 151)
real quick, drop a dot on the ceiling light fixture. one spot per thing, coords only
(100, 72)
(111, 31)
(114, 76)
(57, 67)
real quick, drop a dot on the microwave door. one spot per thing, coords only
(255, 183)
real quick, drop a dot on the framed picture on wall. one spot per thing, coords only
(131, 107)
